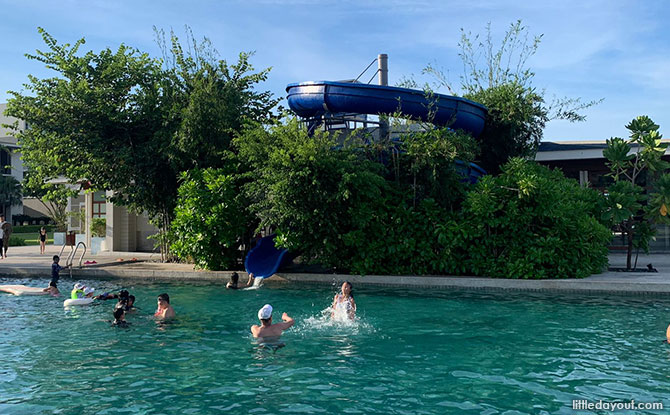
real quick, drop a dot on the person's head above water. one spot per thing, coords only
(56, 258)
(131, 300)
(234, 278)
(347, 289)
(265, 313)
(164, 298)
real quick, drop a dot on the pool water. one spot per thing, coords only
(409, 352)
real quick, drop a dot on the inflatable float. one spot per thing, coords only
(22, 290)
(78, 301)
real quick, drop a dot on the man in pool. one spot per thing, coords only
(164, 310)
(267, 329)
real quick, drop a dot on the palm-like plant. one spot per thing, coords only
(10, 192)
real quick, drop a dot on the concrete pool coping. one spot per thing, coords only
(25, 263)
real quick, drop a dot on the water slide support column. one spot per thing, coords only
(383, 79)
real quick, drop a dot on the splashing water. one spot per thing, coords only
(258, 282)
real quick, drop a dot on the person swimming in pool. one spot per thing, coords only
(343, 302)
(267, 329)
(119, 318)
(164, 310)
(232, 284)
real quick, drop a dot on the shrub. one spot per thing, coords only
(530, 222)
(17, 241)
(210, 219)
(98, 227)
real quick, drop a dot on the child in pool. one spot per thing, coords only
(232, 284)
(164, 310)
(119, 318)
(55, 276)
(343, 302)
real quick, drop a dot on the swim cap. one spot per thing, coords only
(79, 286)
(265, 312)
(88, 290)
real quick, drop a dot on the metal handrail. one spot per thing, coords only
(72, 254)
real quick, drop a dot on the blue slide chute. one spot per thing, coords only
(265, 258)
(313, 99)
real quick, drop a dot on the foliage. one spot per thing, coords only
(98, 227)
(312, 189)
(518, 112)
(210, 219)
(16, 241)
(126, 122)
(530, 222)
(635, 164)
(11, 192)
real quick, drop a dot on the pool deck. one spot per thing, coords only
(26, 262)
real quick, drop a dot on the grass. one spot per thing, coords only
(31, 238)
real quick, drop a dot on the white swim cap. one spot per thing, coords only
(79, 286)
(265, 312)
(88, 290)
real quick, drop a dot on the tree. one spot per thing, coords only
(518, 112)
(637, 198)
(129, 123)
(54, 198)
(10, 192)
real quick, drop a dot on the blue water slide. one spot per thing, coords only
(313, 99)
(265, 258)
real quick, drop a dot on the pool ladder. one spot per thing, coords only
(71, 255)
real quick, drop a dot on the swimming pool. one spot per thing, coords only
(411, 352)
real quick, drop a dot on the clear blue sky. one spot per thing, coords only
(616, 50)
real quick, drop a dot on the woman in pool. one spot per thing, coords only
(343, 302)
(164, 310)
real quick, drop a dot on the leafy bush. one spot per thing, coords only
(210, 219)
(17, 241)
(98, 227)
(530, 222)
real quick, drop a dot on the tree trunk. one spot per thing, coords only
(629, 252)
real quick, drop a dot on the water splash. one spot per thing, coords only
(258, 282)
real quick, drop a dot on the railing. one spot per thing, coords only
(72, 254)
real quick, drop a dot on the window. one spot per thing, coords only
(5, 162)
(99, 205)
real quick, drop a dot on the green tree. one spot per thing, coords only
(637, 198)
(129, 123)
(518, 112)
(10, 192)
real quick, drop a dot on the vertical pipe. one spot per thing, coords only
(383, 79)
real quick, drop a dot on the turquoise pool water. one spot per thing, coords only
(411, 352)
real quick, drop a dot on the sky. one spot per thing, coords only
(614, 50)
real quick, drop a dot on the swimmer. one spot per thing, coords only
(267, 329)
(123, 294)
(55, 276)
(232, 284)
(119, 318)
(343, 302)
(81, 291)
(164, 310)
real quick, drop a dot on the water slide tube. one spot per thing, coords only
(312, 99)
(264, 259)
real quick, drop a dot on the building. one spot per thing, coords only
(584, 161)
